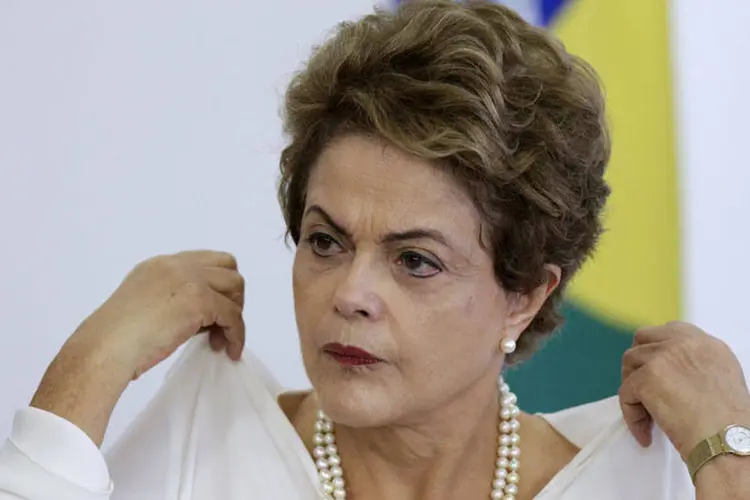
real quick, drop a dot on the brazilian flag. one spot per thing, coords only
(634, 278)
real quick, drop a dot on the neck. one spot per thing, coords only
(448, 453)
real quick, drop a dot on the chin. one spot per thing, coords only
(356, 396)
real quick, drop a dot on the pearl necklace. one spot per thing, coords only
(504, 484)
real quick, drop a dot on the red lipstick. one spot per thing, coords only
(349, 355)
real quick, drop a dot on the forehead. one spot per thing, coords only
(362, 177)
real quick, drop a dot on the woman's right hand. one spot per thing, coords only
(163, 302)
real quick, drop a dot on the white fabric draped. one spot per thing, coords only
(215, 430)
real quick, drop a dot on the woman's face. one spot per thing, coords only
(390, 262)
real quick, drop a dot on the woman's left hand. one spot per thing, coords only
(686, 381)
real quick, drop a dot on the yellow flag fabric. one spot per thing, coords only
(634, 278)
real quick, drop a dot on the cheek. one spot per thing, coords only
(486, 313)
(312, 294)
(301, 286)
(461, 332)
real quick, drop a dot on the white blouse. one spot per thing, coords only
(215, 430)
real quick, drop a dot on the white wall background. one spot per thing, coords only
(129, 129)
(711, 50)
(134, 128)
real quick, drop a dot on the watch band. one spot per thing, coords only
(703, 452)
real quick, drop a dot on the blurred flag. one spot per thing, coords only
(634, 279)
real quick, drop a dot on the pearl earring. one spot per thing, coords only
(508, 346)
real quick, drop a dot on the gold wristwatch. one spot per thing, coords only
(734, 440)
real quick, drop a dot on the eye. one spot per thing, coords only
(418, 265)
(323, 245)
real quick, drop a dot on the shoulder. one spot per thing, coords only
(581, 424)
(212, 407)
(612, 462)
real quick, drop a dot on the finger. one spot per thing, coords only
(636, 416)
(652, 334)
(210, 258)
(227, 282)
(639, 423)
(670, 331)
(638, 356)
(224, 315)
(216, 339)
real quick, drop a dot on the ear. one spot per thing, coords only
(523, 308)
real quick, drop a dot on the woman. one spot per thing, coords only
(443, 182)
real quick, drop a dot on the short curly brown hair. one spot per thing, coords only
(514, 118)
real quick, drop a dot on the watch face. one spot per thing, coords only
(738, 439)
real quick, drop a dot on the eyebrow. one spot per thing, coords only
(393, 237)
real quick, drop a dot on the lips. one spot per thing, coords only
(350, 355)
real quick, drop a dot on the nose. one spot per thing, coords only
(356, 296)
